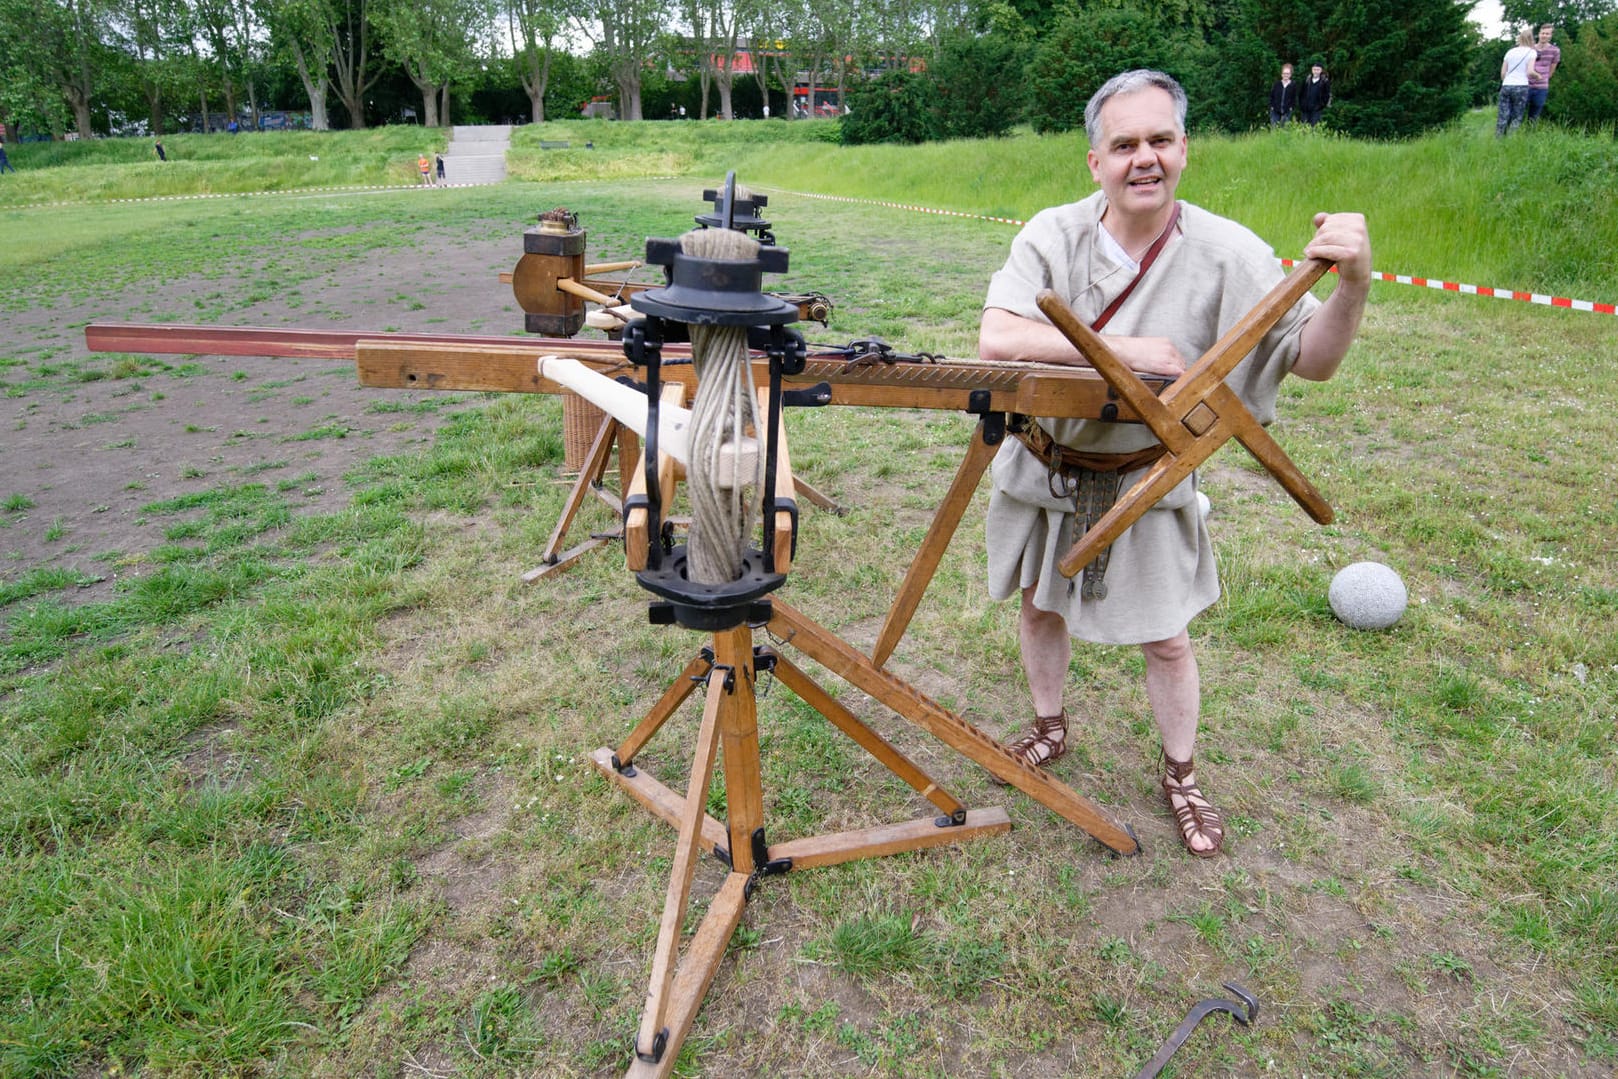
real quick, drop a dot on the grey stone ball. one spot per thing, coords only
(1367, 595)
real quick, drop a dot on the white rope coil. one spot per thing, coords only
(726, 467)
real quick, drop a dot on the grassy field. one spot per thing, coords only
(307, 793)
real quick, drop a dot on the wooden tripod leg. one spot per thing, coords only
(791, 676)
(978, 455)
(595, 466)
(841, 658)
(818, 497)
(681, 688)
(738, 734)
(702, 958)
(654, 1029)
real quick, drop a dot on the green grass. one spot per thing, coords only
(309, 794)
(127, 168)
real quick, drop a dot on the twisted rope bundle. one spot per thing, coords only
(721, 476)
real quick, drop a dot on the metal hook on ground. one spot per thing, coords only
(1246, 1013)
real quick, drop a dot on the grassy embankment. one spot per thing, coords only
(307, 793)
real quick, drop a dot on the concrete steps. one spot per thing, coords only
(477, 155)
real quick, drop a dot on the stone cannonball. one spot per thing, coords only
(1367, 595)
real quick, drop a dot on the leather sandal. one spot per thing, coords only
(1194, 814)
(1046, 741)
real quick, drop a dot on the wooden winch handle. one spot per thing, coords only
(1194, 416)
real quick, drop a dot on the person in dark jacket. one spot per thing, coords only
(1283, 97)
(1314, 95)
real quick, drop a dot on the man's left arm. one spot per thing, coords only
(1324, 341)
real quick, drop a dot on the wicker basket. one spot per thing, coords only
(580, 422)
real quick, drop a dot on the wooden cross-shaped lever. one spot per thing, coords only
(1196, 415)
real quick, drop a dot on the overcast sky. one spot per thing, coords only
(1487, 15)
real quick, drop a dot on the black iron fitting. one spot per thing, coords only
(763, 866)
(950, 820)
(808, 397)
(659, 1043)
(729, 684)
(623, 768)
(979, 404)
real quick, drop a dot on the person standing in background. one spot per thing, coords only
(1314, 95)
(1283, 97)
(1546, 59)
(1514, 69)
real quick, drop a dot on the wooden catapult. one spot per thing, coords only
(554, 286)
(1192, 417)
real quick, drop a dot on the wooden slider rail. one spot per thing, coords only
(420, 361)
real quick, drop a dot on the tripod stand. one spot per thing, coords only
(728, 669)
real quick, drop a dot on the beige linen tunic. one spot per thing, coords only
(1161, 572)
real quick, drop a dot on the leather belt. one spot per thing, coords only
(1091, 480)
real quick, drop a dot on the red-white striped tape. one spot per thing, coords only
(1400, 279)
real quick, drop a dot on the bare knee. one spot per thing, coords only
(1032, 615)
(1174, 651)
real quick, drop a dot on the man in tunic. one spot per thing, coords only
(1205, 272)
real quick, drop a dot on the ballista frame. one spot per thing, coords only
(1192, 417)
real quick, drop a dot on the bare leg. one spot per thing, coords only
(1046, 650)
(1174, 690)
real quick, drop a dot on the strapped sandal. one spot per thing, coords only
(1046, 741)
(1194, 814)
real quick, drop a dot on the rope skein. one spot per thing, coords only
(723, 414)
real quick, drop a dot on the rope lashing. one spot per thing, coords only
(726, 468)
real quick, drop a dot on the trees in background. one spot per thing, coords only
(909, 69)
(1584, 91)
(533, 26)
(435, 42)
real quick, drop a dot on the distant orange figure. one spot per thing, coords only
(426, 168)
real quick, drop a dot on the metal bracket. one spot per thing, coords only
(762, 865)
(659, 1043)
(994, 423)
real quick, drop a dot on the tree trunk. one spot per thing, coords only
(443, 105)
(315, 89)
(154, 110)
(629, 95)
(534, 81)
(80, 104)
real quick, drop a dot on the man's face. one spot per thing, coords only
(1544, 35)
(1286, 72)
(1315, 71)
(1141, 153)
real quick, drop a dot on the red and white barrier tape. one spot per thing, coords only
(1400, 279)
(1485, 290)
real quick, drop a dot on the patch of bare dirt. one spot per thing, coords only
(90, 440)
